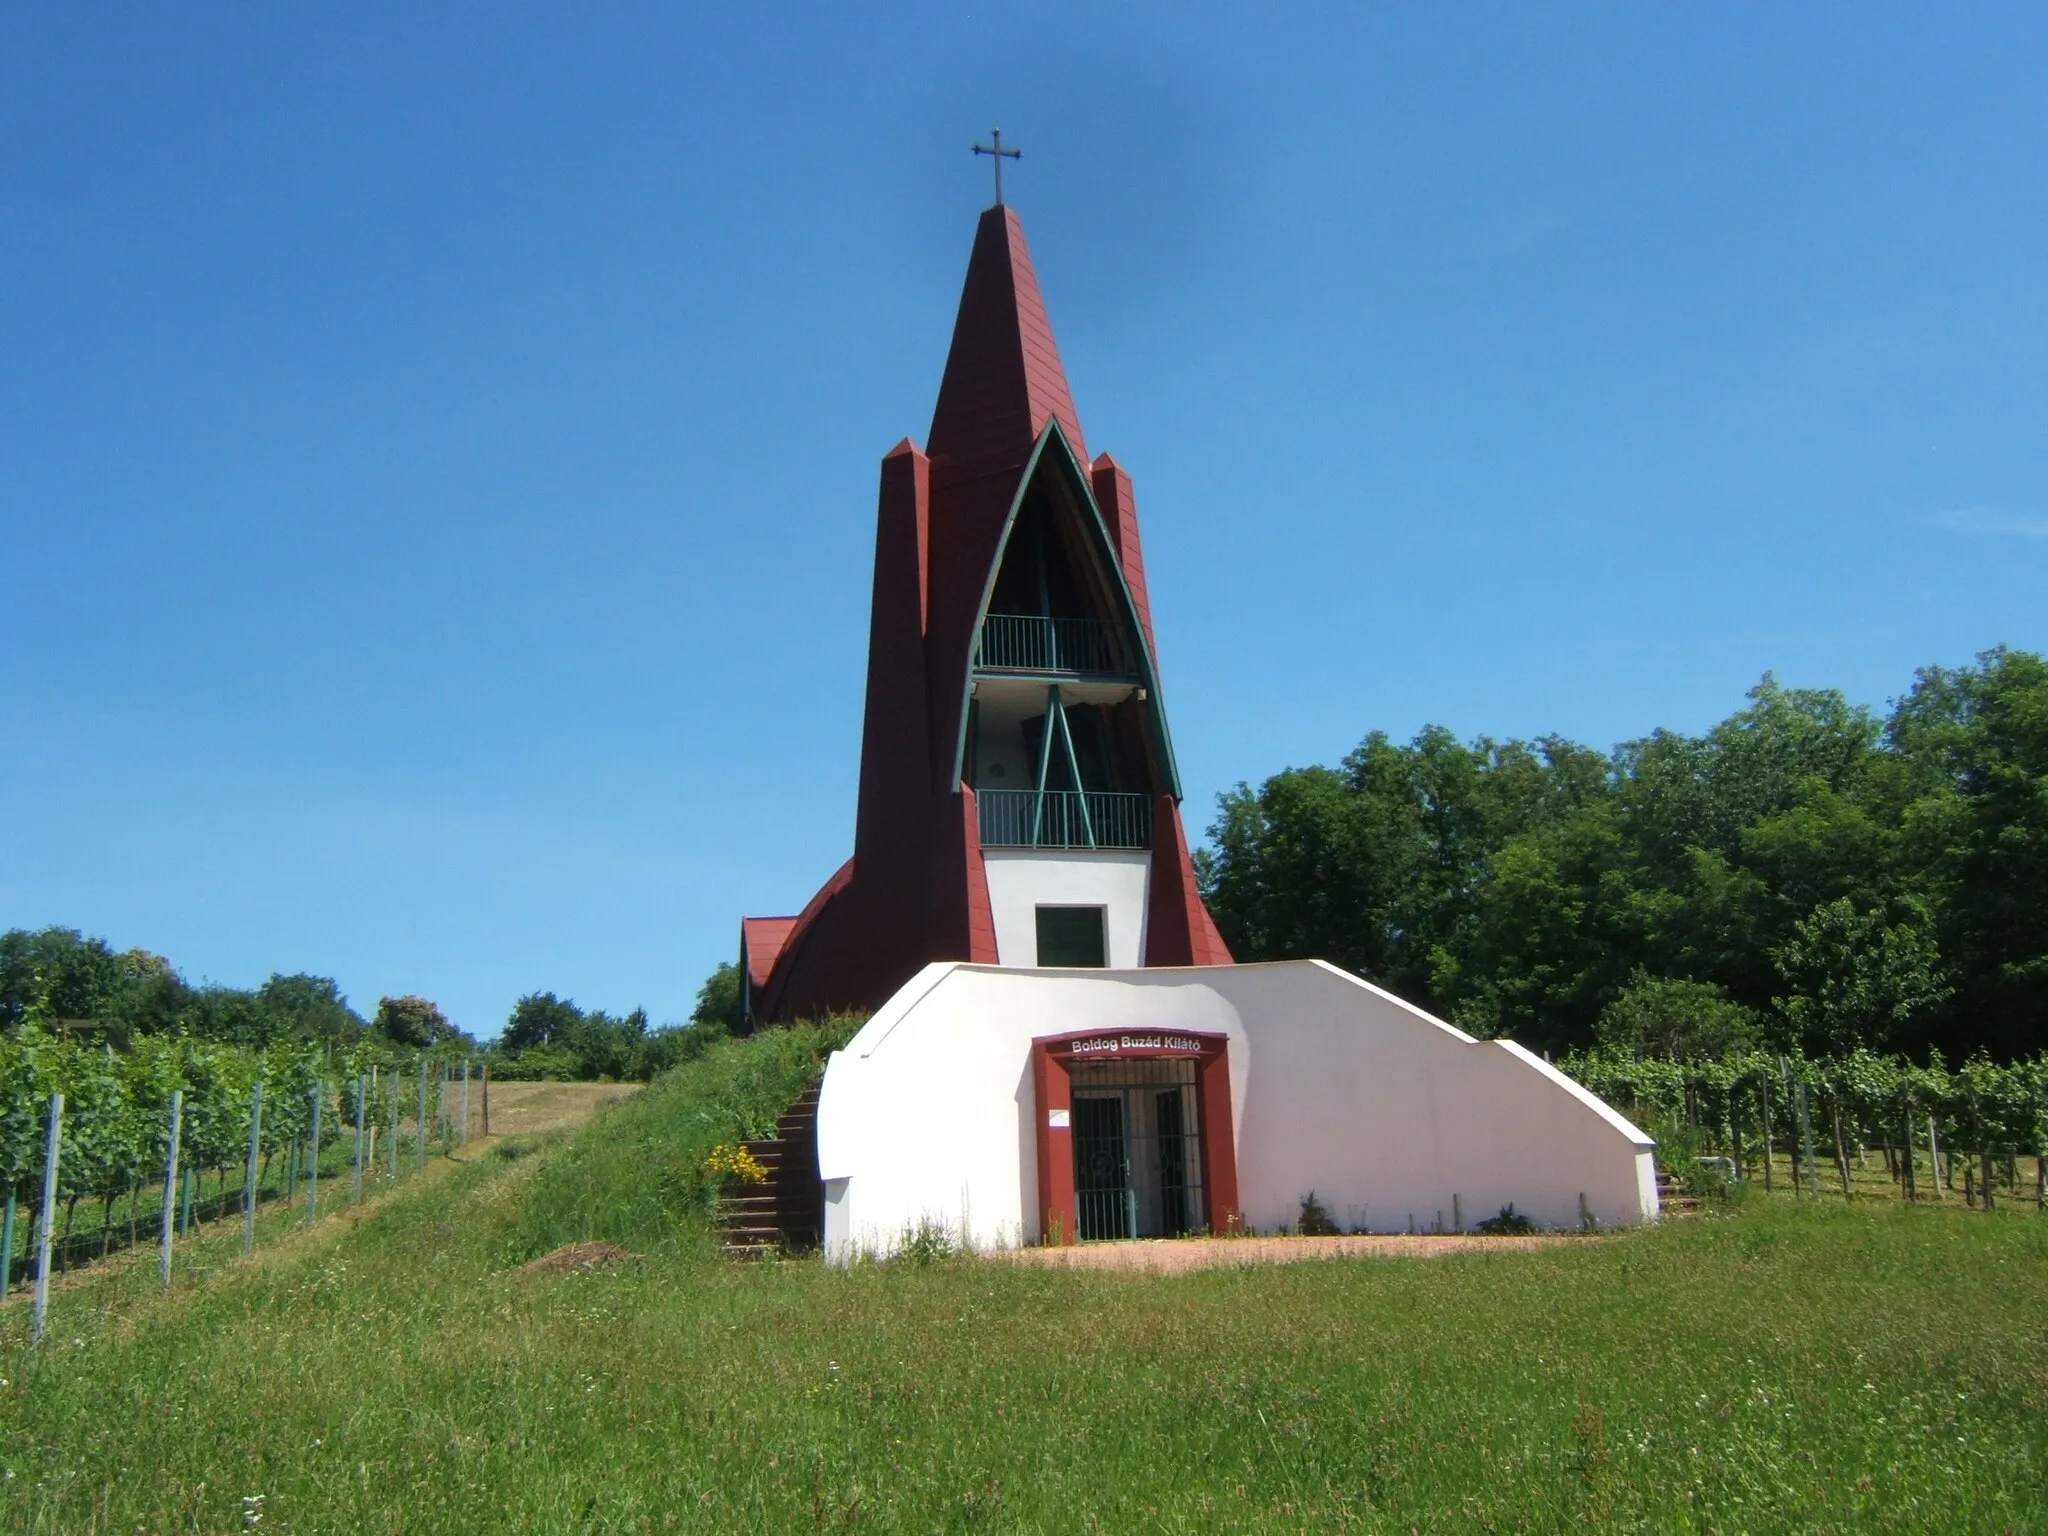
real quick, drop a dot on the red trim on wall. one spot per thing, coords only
(1052, 1090)
(1178, 928)
(1119, 508)
(1052, 1086)
(1219, 1143)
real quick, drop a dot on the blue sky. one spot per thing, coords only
(438, 443)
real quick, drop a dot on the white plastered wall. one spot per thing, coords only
(1021, 882)
(928, 1115)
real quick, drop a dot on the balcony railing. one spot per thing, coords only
(1029, 642)
(1064, 818)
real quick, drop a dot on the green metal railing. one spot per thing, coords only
(1026, 642)
(1063, 818)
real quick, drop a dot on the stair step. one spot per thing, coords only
(786, 1210)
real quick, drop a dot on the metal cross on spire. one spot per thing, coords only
(999, 154)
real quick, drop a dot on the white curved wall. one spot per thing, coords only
(1336, 1087)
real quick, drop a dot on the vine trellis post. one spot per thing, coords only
(171, 1183)
(249, 1181)
(355, 1193)
(49, 1209)
(313, 1164)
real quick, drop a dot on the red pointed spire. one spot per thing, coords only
(1003, 376)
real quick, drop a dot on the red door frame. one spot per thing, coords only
(1052, 1083)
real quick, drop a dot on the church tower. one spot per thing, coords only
(1019, 803)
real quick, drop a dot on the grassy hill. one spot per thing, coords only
(1866, 1367)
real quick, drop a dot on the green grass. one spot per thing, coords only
(640, 1179)
(1776, 1368)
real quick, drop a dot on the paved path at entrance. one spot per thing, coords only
(1178, 1255)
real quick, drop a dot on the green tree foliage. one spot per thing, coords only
(314, 1008)
(1844, 880)
(1676, 1020)
(412, 1021)
(59, 979)
(718, 1001)
(1975, 742)
(540, 1019)
(1854, 979)
(58, 976)
(549, 1037)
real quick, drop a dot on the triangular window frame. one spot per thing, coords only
(1053, 451)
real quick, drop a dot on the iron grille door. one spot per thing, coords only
(1137, 1150)
(1102, 1169)
(1173, 1164)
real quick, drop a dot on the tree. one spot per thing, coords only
(233, 1015)
(718, 1001)
(1976, 740)
(604, 1046)
(540, 1019)
(1855, 979)
(56, 976)
(412, 1021)
(1676, 1019)
(313, 1006)
(1520, 887)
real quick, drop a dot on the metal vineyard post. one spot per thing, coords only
(7, 1244)
(1806, 1144)
(249, 1180)
(1764, 1081)
(49, 1209)
(355, 1193)
(171, 1180)
(313, 1164)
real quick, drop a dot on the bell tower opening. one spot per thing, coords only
(1064, 739)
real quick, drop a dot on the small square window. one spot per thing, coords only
(1072, 936)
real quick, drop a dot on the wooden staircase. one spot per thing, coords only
(786, 1214)
(1673, 1198)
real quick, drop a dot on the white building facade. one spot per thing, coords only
(1008, 1106)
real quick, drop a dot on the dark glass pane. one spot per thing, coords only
(1071, 936)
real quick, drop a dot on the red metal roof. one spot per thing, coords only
(1003, 375)
(761, 941)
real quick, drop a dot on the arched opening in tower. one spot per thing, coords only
(1064, 741)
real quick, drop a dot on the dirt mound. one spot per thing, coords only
(575, 1258)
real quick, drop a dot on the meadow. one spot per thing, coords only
(1765, 1366)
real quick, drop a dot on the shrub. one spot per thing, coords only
(1315, 1221)
(1509, 1223)
(929, 1242)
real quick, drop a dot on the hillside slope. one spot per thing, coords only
(1778, 1368)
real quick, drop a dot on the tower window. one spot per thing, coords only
(1072, 936)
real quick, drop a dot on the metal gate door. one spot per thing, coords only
(1102, 1169)
(1137, 1150)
